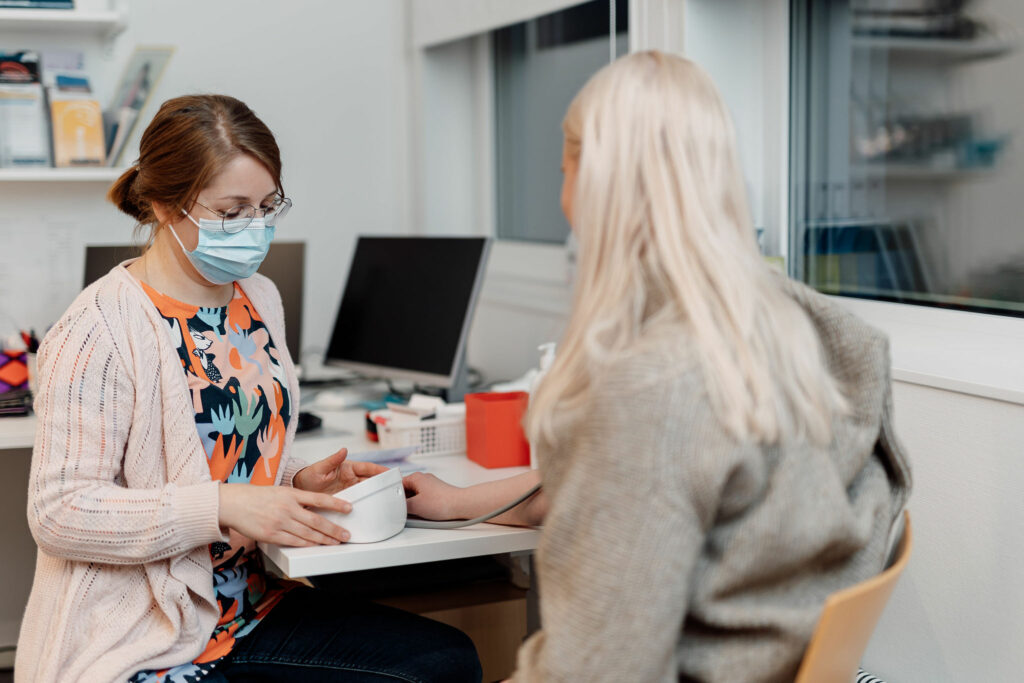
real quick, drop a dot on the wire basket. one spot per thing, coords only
(441, 436)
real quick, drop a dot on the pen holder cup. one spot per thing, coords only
(494, 429)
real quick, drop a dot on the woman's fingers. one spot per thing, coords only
(323, 525)
(280, 515)
(367, 469)
(334, 460)
(325, 469)
(298, 527)
(323, 500)
(290, 540)
(414, 482)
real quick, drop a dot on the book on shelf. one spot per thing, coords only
(123, 123)
(141, 74)
(77, 130)
(19, 67)
(76, 119)
(24, 139)
(37, 4)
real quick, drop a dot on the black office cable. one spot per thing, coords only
(459, 523)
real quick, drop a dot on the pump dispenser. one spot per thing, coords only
(547, 358)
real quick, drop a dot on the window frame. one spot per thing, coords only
(532, 274)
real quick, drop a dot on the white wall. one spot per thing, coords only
(956, 614)
(330, 79)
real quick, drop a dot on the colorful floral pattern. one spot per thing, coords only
(242, 406)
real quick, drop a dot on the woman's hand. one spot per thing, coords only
(279, 514)
(334, 473)
(429, 497)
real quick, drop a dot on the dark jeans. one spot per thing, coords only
(314, 635)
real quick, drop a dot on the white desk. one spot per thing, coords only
(17, 432)
(411, 546)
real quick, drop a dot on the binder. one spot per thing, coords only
(77, 132)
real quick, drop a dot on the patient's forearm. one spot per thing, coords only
(478, 500)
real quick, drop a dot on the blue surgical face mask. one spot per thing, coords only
(221, 256)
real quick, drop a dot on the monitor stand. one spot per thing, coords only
(460, 387)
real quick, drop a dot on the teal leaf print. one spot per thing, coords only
(240, 475)
(247, 415)
(241, 340)
(211, 316)
(222, 420)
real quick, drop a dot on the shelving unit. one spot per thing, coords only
(99, 23)
(47, 174)
(103, 23)
(921, 173)
(937, 50)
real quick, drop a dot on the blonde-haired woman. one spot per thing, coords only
(715, 440)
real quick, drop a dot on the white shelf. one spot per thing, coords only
(922, 173)
(62, 175)
(937, 50)
(99, 22)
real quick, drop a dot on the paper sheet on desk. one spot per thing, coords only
(392, 457)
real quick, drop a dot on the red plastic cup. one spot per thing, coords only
(494, 429)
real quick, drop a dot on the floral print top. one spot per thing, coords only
(242, 406)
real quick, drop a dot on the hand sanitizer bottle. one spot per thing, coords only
(547, 358)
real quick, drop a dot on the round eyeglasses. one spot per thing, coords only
(238, 218)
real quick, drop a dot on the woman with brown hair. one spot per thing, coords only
(167, 411)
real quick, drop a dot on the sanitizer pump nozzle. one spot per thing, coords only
(547, 357)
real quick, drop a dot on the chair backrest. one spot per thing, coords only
(847, 621)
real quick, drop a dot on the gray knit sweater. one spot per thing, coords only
(671, 552)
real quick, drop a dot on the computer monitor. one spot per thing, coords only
(407, 308)
(284, 264)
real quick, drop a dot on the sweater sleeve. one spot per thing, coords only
(291, 467)
(620, 542)
(78, 505)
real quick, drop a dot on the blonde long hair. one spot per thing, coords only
(666, 237)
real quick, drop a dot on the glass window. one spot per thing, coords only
(904, 183)
(539, 65)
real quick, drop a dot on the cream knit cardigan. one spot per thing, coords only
(120, 500)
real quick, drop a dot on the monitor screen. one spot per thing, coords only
(407, 306)
(285, 265)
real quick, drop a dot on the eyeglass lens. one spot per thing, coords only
(238, 218)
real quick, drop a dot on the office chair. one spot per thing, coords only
(848, 619)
